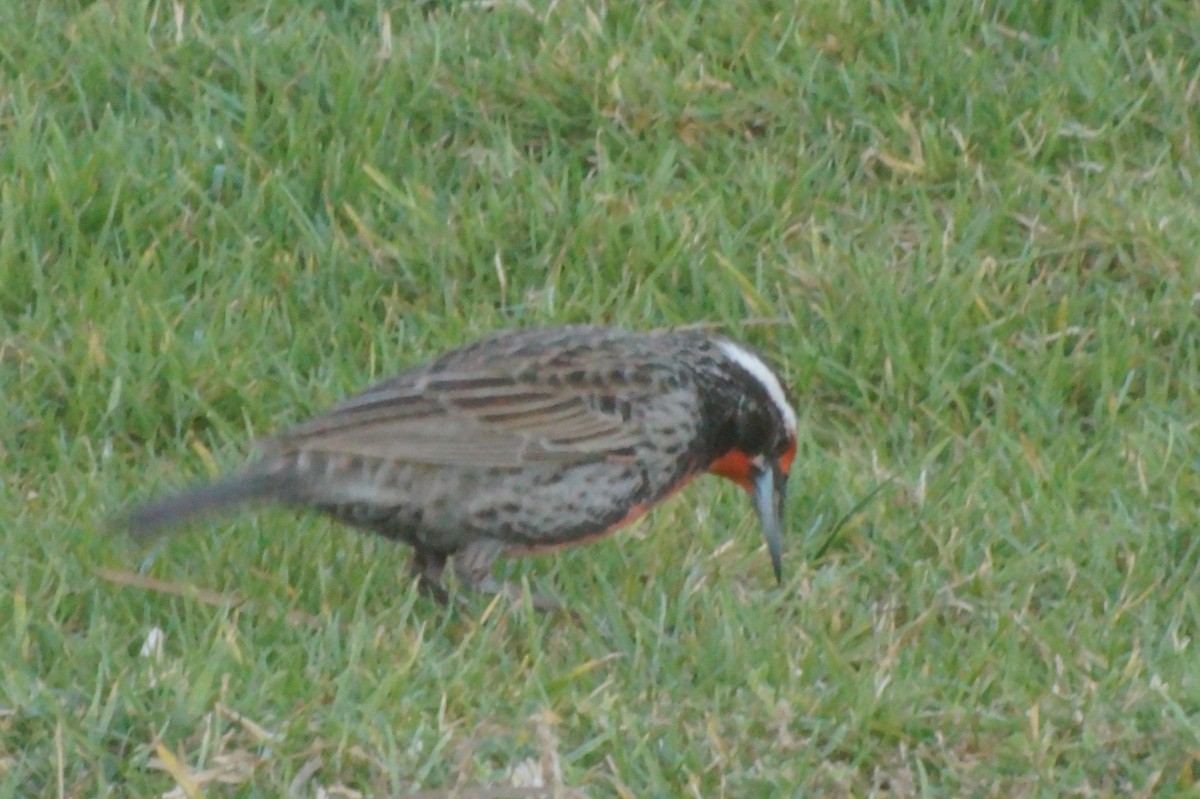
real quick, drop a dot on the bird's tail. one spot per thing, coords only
(205, 500)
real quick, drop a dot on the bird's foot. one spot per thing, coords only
(428, 567)
(473, 566)
(516, 594)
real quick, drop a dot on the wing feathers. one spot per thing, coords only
(459, 419)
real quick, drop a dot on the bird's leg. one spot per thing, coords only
(427, 568)
(473, 567)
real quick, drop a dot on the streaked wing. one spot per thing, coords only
(467, 419)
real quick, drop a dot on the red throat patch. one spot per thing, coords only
(785, 460)
(737, 466)
(734, 465)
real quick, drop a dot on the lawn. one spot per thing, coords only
(967, 235)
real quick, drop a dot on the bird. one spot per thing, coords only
(523, 441)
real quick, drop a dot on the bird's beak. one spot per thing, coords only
(769, 490)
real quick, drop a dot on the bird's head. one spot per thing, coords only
(754, 436)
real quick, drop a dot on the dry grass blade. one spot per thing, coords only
(203, 595)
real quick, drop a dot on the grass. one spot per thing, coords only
(967, 235)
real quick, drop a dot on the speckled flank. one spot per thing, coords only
(438, 508)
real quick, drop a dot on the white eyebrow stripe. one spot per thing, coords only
(763, 374)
